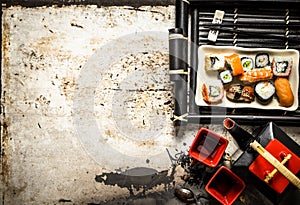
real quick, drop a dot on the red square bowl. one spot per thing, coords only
(225, 186)
(208, 147)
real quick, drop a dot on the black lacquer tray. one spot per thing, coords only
(264, 135)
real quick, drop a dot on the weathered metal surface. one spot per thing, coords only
(86, 92)
(35, 3)
(44, 52)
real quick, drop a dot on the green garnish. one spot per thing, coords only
(246, 64)
(226, 77)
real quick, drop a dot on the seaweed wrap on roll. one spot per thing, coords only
(264, 91)
(247, 63)
(225, 76)
(262, 60)
(282, 66)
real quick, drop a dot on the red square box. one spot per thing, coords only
(261, 167)
(208, 147)
(225, 186)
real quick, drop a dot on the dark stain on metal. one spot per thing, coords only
(67, 86)
(5, 122)
(4, 150)
(139, 178)
(195, 173)
(156, 198)
(168, 102)
(144, 10)
(76, 25)
(64, 200)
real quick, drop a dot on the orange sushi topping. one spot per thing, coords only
(256, 75)
(235, 63)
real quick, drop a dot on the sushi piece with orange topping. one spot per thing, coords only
(284, 92)
(212, 92)
(256, 75)
(234, 63)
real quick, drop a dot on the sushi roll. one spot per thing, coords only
(240, 93)
(234, 63)
(247, 63)
(214, 62)
(282, 66)
(212, 92)
(262, 60)
(264, 91)
(225, 76)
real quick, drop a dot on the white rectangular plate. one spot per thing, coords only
(204, 76)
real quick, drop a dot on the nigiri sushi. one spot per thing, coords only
(256, 75)
(284, 92)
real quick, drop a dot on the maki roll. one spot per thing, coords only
(213, 92)
(262, 60)
(234, 63)
(282, 66)
(247, 63)
(214, 62)
(264, 91)
(225, 76)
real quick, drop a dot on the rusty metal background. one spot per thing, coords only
(138, 3)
